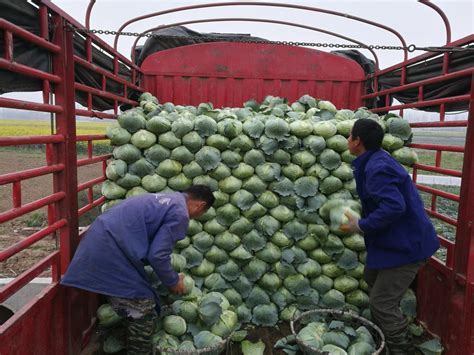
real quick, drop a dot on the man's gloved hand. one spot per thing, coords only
(352, 226)
(179, 287)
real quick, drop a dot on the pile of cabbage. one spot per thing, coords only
(283, 183)
(337, 338)
(190, 322)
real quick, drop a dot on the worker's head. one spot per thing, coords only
(198, 200)
(366, 134)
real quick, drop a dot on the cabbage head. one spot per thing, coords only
(268, 171)
(112, 191)
(158, 125)
(405, 156)
(277, 128)
(333, 349)
(391, 142)
(265, 314)
(127, 152)
(116, 169)
(169, 140)
(301, 128)
(399, 127)
(107, 316)
(117, 135)
(227, 323)
(174, 325)
(192, 170)
(360, 348)
(338, 143)
(132, 120)
(205, 126)
(206, 339)
(229, 127)
(324, 129)
(169, 168)
(329, 159)
(143, 139)
(208, 158)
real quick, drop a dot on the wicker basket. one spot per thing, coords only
(217, 349)
(328, 315)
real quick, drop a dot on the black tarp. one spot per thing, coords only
(184, 36)
(430, 69)
(24, 14)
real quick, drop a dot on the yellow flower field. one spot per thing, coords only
(16, 128)
(19, 128)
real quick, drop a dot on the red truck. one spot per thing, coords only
(83, 68)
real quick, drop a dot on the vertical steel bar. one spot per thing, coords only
(8, 45)
(89, 149)
(116, 64)
(43, 18)
(442, 112)
(51, 215)
(90, 195)
(66, 180)
(414, 175)
(16, 190)
(420, 93)
(437, 164)
(66, 152)
(464, 247)
(49, 154)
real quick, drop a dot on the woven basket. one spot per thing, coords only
(328, 315)
(217, 349)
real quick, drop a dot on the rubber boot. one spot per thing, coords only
(400, 344)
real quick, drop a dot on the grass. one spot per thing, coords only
(446, 207)
(19, 128)
(449, 160)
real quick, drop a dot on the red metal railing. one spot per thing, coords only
(447, 284)
(75, 313)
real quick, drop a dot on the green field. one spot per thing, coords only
(449, 160)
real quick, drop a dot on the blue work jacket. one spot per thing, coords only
(396, 227)
(141, 230)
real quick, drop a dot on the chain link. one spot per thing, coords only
(410, 48)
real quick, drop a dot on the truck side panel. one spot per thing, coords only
(228, 74)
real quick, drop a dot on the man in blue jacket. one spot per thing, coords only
(399, 236)
(111, 257)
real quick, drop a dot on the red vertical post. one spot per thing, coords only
(17, 194)
(464, 248)
(43, 16)
(66, 152)
(66, 180)
(8, 45)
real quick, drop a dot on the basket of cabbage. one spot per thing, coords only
(204, 326)
(336, 332)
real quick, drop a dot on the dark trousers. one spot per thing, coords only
(386, 288)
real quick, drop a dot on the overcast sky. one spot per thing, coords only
(417, 23)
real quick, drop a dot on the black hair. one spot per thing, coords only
(369, 132)
(201, 193)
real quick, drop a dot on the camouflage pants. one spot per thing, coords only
(140, 315)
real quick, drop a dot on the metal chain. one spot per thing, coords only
(410, 48)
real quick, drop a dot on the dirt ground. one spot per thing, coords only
(14, 231)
